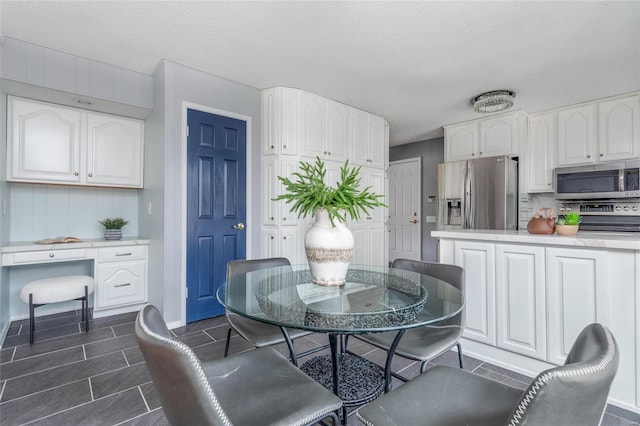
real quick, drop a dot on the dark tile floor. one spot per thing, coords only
(69, 377)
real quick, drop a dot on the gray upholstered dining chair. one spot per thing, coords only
(255, 387)
(574, 394)
(257, 333)
(424, 343)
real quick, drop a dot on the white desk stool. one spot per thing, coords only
(54, 290)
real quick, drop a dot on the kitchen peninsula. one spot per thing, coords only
(528, 296)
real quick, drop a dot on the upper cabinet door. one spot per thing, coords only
(461, 142)
(44, 142)
(114, 151)
(540, 162)
(313, 125)
(576, 135)
(337, 134)
(281, 121)
(619, 129)
(359, 129)
(499, 136)
(377, 143)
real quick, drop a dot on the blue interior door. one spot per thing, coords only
(216, 207)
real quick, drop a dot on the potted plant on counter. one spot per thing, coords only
(568, 224)
(113, 227)
(329, 243)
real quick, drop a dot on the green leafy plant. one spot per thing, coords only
(113, 223)
(571, 218)
(309, 192)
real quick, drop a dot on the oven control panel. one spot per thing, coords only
(605, 208)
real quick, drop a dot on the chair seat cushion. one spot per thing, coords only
(259, 333)
(420, 344)
(250, 396)
(444, 396)
(57, 289)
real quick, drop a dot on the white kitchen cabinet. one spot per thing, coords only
(325, 128)
(334, 132)
(461, 141)
(521, 308)
(281, 121)
(577, 295)
(478, 261)
(367, 139)
(55, 144)
(277, 213)
(121, 277)
(541, 159)
(44, 142)
(369, 233)
(606, 130)
(114, 150)
(499, 135)
(283, 242)
(576, 135)
(619, 129)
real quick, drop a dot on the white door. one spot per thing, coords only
(405, 227)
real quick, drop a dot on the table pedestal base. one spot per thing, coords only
(360, 381)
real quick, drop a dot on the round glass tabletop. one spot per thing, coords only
(373, 299)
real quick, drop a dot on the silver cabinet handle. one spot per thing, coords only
(90, 174)
(122, 285)
(52, 255)
(238, 227)
(124, 254)
(76, 173)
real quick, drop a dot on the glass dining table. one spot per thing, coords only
(373, 300)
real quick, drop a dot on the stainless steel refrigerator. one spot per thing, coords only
(478, 194)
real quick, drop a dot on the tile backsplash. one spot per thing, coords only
(530, 203)
(45, 211)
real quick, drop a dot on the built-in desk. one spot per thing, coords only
(119, 268)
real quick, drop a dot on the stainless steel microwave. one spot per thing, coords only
(598, 181)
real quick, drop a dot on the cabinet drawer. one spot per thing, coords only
(49, 256)
(121, 284)
(123, 253)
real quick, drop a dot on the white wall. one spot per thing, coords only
(40, 211)
(186, 84)
(4, 222)
(152, 225)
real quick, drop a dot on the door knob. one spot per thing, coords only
(239, 226)
(413, 221)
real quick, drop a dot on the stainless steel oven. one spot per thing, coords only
(598, 181)
(609, 215)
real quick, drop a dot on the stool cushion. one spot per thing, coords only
(58, 289)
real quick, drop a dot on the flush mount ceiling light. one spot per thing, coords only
(497, 100)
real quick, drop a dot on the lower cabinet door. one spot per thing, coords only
(520, 278)
(478, 261)
(577, 295)
(120, 284)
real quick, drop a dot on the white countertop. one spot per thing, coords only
(21, 246)
(612, 240)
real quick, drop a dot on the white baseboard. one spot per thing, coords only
(3, 332)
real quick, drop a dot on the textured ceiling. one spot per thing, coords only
(416, 63)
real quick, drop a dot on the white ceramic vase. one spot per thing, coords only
(329, 250)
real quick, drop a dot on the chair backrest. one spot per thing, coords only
(236, 267)
(576, 393)
(453, 274)
(185, 394)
